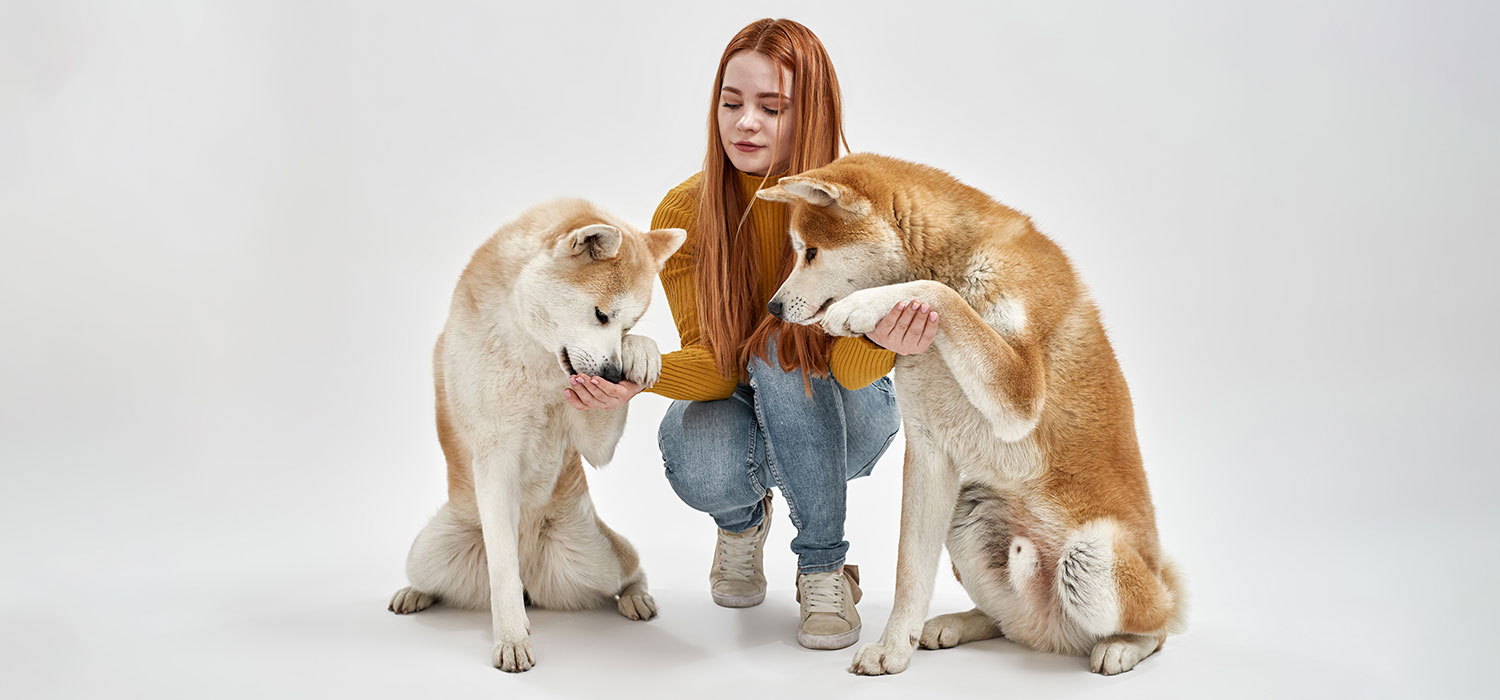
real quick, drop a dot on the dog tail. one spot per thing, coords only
(447, 560)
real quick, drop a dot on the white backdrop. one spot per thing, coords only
(230, 231)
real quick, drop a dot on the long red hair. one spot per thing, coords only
(730, 315)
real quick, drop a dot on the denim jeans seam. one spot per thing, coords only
(760, 418)
(750, 469)
(870, 467)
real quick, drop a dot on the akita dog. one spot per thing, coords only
(1052, 532)
(551, 294)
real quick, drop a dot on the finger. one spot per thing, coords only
(591, 385)
(929, 333)
(581, 388)
(917, 327)
(608, 388)
(572, 399)
(585, 400)
(899, 330)
(888, 321)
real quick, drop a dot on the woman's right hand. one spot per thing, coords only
(585, 392)
(907, 329)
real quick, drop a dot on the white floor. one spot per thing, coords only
(269, 600)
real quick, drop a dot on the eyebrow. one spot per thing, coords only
(763, 94)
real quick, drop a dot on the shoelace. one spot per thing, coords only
(824, 593)
(737, 555)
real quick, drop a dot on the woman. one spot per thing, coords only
(756, 405)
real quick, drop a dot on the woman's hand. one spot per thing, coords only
(907, 329)
(596, 392)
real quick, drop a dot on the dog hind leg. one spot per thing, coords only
(978, 537)
(446, 563)
(634, 602)
(1106, 587)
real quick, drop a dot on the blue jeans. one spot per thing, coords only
(721, 456)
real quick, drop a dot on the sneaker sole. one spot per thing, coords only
(738, 601)
(828, 641)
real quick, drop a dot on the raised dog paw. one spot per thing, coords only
(853, 315)
(410, 600)
(640, 359)
(879, 659)
(514, 656)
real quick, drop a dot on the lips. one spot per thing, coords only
(747, 147)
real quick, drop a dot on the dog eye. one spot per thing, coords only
(603, 319)
(811, 253)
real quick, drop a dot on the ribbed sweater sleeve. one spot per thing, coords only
(688, 373)
(855, 362)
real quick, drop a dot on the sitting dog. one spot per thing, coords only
(1020, 437)
(552, 294)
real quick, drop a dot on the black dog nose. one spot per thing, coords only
(612, 374)
(774, 307)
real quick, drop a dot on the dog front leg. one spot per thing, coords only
(929, 488)
(497, 490)
(597, 433)
(1003, 378)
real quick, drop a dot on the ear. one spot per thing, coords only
(599, 241)
(663, 242)
(819, 193)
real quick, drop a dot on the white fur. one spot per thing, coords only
(500, 366)
(1086, 578)
(1120, 653)
(1007, 315)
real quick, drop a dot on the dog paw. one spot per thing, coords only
(880, 658)
(410, 600)
(640, 359)
(637, 604)
(852, 315)
(943, 631)
(1112, 656)
(858, 313)
(514, 657)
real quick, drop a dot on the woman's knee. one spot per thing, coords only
(703, 464)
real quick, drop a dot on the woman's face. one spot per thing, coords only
(755, 117)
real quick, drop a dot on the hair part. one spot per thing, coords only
(733, 321)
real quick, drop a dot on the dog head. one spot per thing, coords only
(842, 236)
(582, 295)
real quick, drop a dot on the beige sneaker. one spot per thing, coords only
(829, 620)
(737, 579)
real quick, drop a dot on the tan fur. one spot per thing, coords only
(1020, 396)
(519, 524)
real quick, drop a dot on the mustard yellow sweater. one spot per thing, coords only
(689, 373)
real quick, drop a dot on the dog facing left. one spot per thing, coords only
(552, 294)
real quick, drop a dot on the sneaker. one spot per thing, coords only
(829, 620)
(737, 579)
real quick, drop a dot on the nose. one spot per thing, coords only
(748, 123)
(612, 373)
(774, 306)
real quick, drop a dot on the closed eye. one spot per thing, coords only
(603, 318)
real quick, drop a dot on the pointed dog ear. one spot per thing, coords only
(663, 242)
(598, 241)
(819, 193)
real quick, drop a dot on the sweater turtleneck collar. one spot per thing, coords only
(750, 184)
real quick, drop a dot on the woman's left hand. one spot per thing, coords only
(586, 392)
(907, 330)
